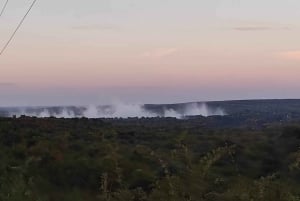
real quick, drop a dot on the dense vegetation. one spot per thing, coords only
(217, 158)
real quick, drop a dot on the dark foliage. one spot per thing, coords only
(236, 157)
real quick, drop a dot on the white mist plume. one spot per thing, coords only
(120, 110)
(194, 109)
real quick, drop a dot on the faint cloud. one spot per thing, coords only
(96, 27)
(258, 28)
(160, 52)
(290, 55)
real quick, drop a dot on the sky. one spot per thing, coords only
(74, 52)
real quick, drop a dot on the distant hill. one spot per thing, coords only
(240, 106)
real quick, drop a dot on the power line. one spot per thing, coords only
(3, 9)
(18, 27)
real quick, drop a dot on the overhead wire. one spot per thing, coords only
(3, 8)
(18, 27)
